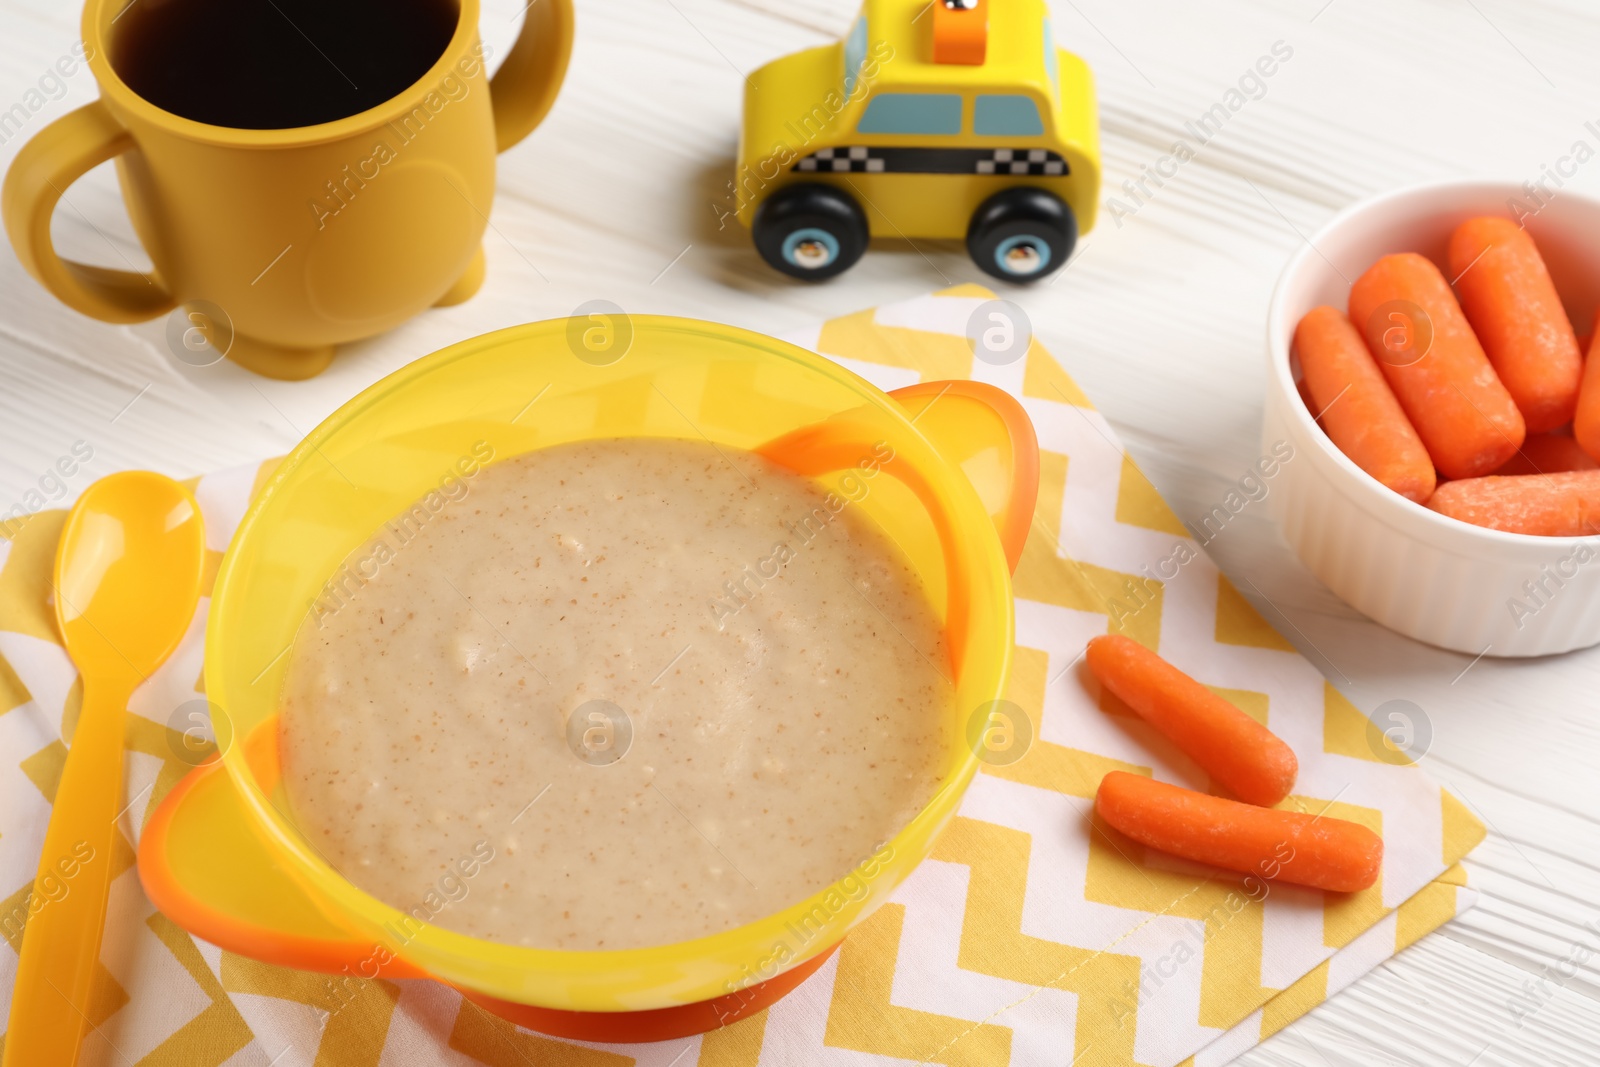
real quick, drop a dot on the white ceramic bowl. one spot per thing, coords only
(1429, 577)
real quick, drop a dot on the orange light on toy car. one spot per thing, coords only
(960, 31)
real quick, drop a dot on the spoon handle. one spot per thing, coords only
(61, 942)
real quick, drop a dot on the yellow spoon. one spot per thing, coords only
(127, 581)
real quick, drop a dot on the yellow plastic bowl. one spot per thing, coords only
(260, 888)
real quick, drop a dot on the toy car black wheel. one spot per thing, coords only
(810, 231)
(1021, 234)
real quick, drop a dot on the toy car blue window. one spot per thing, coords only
(1052, 62)
(855, 52)
(912, 113)
(1007, 115)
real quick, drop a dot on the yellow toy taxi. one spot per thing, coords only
(949, 119)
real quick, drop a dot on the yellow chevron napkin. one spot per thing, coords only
(1033, 935)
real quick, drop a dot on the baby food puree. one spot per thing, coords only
(621, 693)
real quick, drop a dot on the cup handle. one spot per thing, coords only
(525, 86)
(63, 152)
(985, 432)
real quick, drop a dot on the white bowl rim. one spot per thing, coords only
(1381, 502)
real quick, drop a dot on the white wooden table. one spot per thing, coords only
(1160, 318)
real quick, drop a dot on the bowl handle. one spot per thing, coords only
(985, 432)
(979, 429)
(206, 869)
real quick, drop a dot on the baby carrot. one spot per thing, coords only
(1307, 399)
(1246, 757)
(1549, 505)
(1358, 409)
(1586, 423)
(1286, 846)
(1507, 294)
(1446, 386)
(1548, 453)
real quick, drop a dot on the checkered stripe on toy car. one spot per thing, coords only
(1022, 161)
(862, 159)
